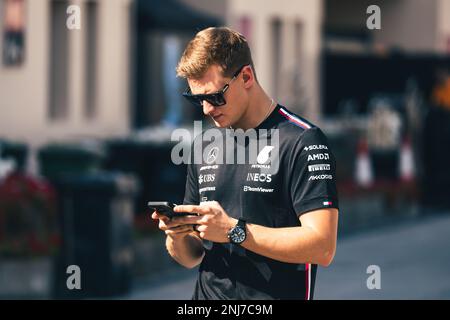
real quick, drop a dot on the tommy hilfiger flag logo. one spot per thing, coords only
(327, 203)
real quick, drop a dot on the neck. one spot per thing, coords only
(259, 108)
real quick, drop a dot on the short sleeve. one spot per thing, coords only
(312, 173)
(191, 195)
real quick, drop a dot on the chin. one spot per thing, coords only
(221, 123)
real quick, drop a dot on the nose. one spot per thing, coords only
(207, 108)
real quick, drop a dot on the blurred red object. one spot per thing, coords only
(27, 216)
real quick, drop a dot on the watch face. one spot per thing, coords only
(237, 235)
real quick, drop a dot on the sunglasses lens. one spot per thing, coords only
(193, 99)
(197, 102)
(216, 99)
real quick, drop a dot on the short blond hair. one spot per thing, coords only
(220, 46)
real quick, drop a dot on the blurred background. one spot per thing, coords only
(86, 117)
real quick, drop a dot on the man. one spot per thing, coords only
(258, 234)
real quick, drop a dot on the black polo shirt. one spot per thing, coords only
(293, 173)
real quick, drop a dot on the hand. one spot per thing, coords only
(213, 223)
(172, 229)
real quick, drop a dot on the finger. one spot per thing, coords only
(160, 216)
(156, 216)
(166, 227)
(192, 209)
(200, 228)
(187, 220)
(181, 221)
(162, 225)
(178, 230)
(169, 225)
(182, 228)
(171, 233)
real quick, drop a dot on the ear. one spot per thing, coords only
(248, 76)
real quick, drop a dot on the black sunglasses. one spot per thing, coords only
(216, 99)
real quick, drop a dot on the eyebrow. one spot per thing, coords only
(202, 92)
(209, 91)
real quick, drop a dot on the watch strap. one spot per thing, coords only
(241, 222)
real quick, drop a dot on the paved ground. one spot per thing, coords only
(413, 256)
(414, 259)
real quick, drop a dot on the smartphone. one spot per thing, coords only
(166, 208)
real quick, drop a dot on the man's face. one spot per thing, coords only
(236, 96)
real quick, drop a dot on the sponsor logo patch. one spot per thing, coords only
(260, 166)
(212, 155)
(318, 156)
(259, 177)
(213, 167)
(256, 189)
(319, 167)
(206, 189)
(316, 147)
(321, 177)
(206, 178)
(263, 155)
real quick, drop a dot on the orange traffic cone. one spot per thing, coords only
(363, 175)
(406, 165)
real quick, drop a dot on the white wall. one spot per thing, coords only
(309, 13)
(410, 25)
(444, 26)
(261, 13)
(24, 90)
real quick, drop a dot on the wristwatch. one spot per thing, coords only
(238, 233)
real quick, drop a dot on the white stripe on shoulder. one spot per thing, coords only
(295, 119)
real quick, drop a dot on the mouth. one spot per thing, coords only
(218, 117)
